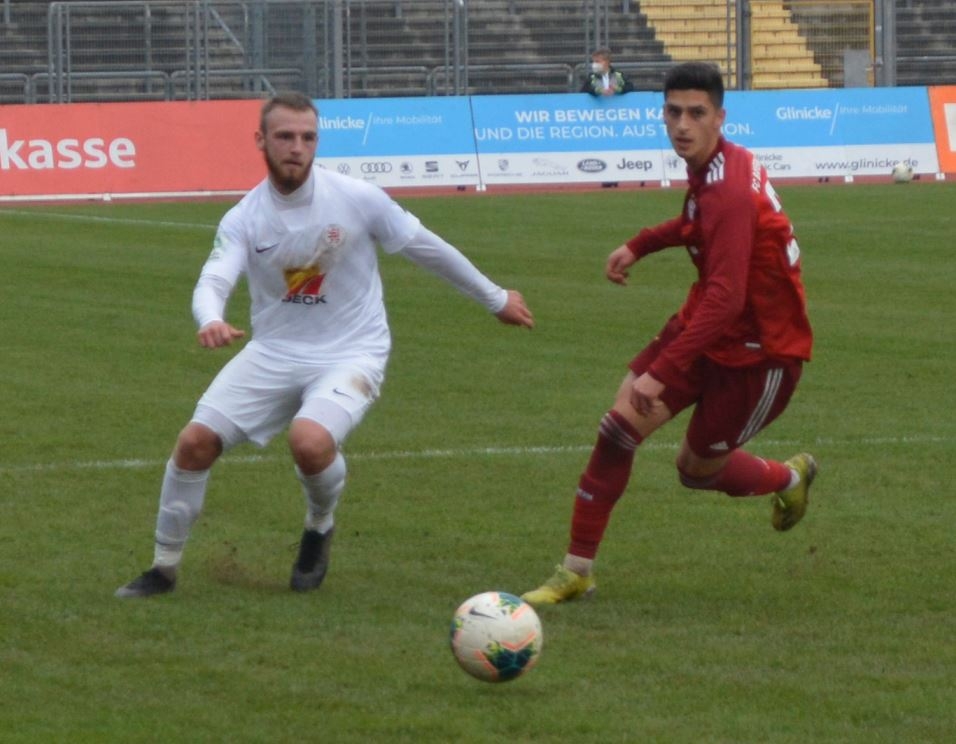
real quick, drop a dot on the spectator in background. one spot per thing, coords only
(603, 79)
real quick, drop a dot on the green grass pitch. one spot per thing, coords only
(707, 626)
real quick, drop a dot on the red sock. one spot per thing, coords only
(602, 483)
(744, 475)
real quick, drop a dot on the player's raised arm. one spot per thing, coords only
(434, 253)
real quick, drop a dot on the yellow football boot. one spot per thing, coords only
(563, 586)
(790, 505)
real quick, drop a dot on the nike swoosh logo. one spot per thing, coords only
(479, 613)
(264, 248)
(344, 395)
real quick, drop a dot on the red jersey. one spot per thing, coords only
(748, 304)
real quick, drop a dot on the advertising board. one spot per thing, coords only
(395, 142)
(155, 148)
(943, 104)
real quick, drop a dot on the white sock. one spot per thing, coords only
(322, 491)
(580, 566)
(180, 503)
(794, 479)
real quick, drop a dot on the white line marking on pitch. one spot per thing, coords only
(434, 454)
(107, 220)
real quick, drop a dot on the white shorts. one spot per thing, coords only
(256, 395)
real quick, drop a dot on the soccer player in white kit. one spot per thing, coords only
(306, 240)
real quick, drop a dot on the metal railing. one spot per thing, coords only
(19, 82)
(252, 82)
(509, 78)
(136, 85)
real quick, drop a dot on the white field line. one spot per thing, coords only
(105, 220)
(438, 454)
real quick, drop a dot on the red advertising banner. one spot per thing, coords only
(942, 103)
(129, 148)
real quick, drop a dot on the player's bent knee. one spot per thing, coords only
(313, 447)
(197, 447)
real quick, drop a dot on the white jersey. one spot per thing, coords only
(312, 268)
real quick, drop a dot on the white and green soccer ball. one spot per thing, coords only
(902, 173)
(496, 636)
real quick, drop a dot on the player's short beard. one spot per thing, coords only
(285, 183)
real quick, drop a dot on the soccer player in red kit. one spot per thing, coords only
(734, 351)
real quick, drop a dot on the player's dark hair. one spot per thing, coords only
(703, 76)
(290, 100)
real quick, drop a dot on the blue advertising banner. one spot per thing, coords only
(485, 141)
(831, 116)
(836, 132)
(399, 141)
(572, 137)
(571, 122)
(796, 133)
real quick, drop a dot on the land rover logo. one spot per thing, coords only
(591, 165)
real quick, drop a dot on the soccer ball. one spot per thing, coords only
(902, 173)
(496, 636)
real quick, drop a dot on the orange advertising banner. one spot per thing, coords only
(129, 148)
(942, 103)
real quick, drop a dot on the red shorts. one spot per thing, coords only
(731, 404)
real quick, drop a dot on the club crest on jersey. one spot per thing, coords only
(305, 286)
(333, 236)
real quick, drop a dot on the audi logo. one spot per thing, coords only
(379, 166)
